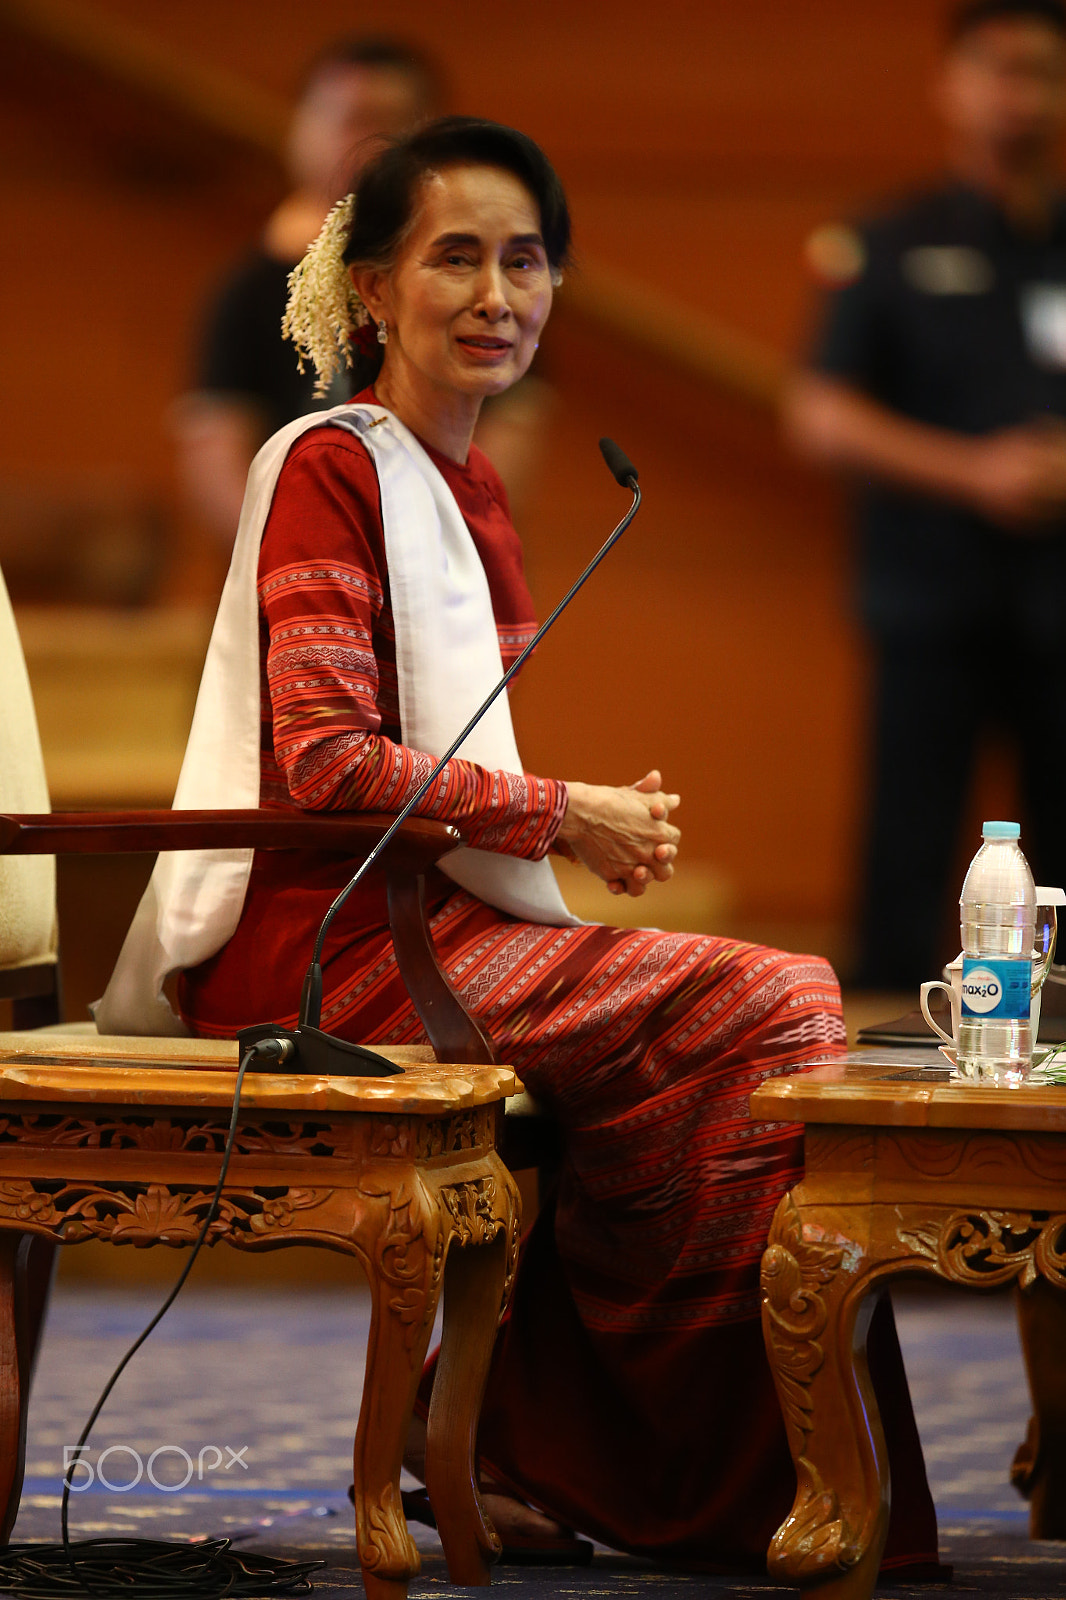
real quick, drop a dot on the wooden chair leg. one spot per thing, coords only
(453, 1031)
(40, 1270)
(473, 1293)
(17, 1352)
(1039, 1468)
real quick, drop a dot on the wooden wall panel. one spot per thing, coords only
(713, 644)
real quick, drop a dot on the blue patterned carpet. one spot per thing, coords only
(260, 1390)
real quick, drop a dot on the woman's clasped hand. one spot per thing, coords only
(622, 835)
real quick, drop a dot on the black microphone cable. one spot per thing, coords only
(155, 1569)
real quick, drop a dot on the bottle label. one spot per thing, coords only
(997, 988)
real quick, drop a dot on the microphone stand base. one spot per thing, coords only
(318, 1054)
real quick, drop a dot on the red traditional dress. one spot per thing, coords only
(630, 1394)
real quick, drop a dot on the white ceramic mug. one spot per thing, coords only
(953, 989)
(1047, 904)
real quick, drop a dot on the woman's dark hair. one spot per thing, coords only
(387, 191)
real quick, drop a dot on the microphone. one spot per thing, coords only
(309, 1049)
(619, 464)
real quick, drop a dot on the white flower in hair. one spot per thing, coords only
(324, 311)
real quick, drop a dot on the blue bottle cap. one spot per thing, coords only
(1001, 830)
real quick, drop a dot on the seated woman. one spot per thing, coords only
(630, 1395)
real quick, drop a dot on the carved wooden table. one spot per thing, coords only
(904, 1172)
(400, 1172)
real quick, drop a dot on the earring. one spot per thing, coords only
(383, 332)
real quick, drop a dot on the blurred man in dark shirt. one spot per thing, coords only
(356, 93)
(939, 382)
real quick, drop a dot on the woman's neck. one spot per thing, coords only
(443, 418)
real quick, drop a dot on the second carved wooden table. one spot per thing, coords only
(904, 1172)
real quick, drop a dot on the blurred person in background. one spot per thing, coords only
(356, 94)
(939, 384)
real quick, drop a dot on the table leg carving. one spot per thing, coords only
(405, 1244)
(16, 1357)
(983, 1248)
(478, 1278)
(1039, 1469)
(816, 1310)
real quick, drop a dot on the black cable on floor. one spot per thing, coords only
(148, 1569)
(154, 1569)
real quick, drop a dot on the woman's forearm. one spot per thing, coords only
(514, 814)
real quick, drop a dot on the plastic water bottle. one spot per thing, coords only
(998, 916)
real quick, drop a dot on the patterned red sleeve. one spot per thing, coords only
(322, 596)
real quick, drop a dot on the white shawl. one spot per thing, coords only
(447, 660)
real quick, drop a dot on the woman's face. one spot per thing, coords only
(471, 288)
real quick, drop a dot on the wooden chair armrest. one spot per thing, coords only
(418, 845)
(454, 1033)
